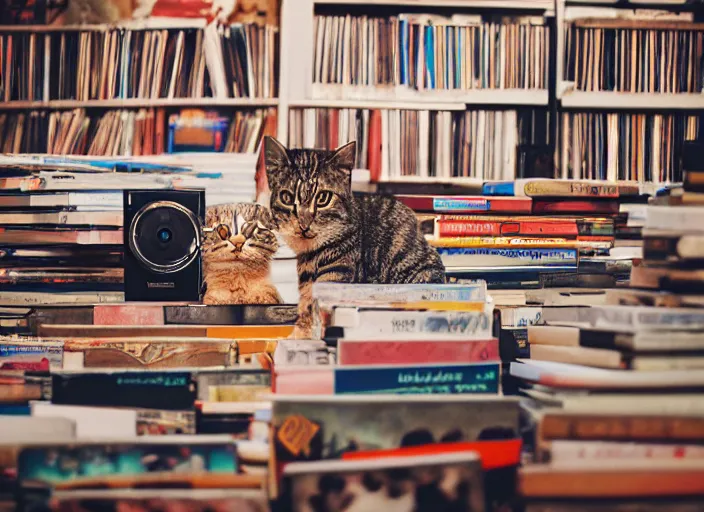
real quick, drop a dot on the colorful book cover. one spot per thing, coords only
(448, 379)
(551, 188)
(423, 484)
(320, 428)
(478, 256)
(31, 355)
(83, 465)
(478, 378)
(389, 324)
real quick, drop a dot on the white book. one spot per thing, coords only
(29, 429)
(620, 403)
(569, 451)
(675, 218)
(302, 352)
(379, 324)
(573, 376)
(342, 293)
(92, 422)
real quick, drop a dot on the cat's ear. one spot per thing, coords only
(275, 154)
(344, 156)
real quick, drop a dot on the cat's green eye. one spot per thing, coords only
(286, 198)
(323, 198)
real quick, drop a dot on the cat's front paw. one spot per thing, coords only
(300, 333)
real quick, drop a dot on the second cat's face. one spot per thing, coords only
(239, 233)
(311, 191)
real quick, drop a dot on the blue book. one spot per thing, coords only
(403, 41)
(495, 257)
(499, 188)
(15, 410)
(430, 56)
(477, 378)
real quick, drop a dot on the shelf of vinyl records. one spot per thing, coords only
(154, 59)
(629, 57)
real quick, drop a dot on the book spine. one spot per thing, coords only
(353, 353)
(383, 294)
(571, 451)
(468, 256)
(614, 427)
(466, 204)
(500, 189)
(602, 207)
(482, 378)
(452, 228)
(412, 325)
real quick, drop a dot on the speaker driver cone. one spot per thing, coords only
(164, 236)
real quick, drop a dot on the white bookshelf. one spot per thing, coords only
(298, 91)
(575, 99)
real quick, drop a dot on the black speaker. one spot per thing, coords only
(163, 231)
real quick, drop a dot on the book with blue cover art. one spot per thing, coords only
(481, 378)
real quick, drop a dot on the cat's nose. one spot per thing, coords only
(238, 241)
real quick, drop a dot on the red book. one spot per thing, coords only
(457, 226)
(333, 129)
(374, 152)
(467, 204)
(493, 454)
(128, 314)
(352, 353)
(598, 207)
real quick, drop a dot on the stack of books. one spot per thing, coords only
(61, 221)
(388, 338)
(393, 340)
(139, 396)
(111, 397)
(616, 392)
(538, 244)
(533, 233)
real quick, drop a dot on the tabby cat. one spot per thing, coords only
(339, 236)
(237, 252)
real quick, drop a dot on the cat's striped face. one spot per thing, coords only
(238, 232)
(310, 190)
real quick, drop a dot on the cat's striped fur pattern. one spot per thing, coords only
(339, 236)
